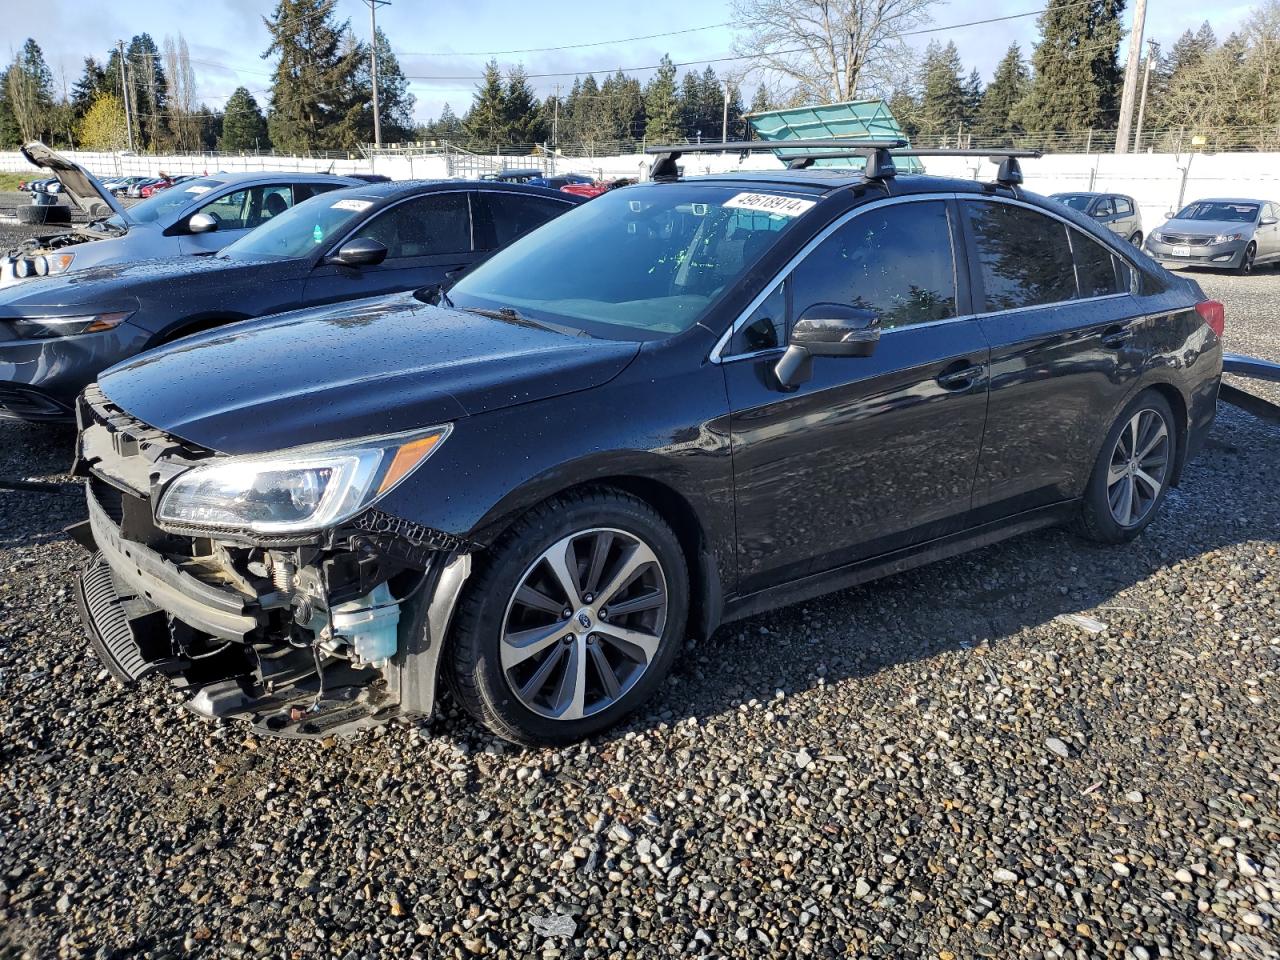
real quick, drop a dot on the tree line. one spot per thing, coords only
(320, 96)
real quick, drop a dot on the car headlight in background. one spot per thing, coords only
(1228, 237)
(303, 490)
(1155, 236)
(45, 328)
(52, 264)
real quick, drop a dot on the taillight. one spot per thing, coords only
(1214, 314)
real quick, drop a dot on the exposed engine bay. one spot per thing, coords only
(33, 257)
(301, 637)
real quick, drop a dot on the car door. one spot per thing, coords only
(1065, 332)
(1104, 211)
(871, 453)
(428, 238)
(1125, 224)
(1268, 233)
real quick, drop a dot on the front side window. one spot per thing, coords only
(503, 217)
(896, 260)
(438, 223)
(642, 262)
(1105, 208)
(1023, 256)
(267, 202)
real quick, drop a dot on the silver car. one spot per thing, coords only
(199, 216)
(1223, 234)
(1115, 211)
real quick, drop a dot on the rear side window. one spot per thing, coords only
(503, 217)
(1123, 205)
(305, 191)
(896, 260)
(1098, 270)
(439, 223)
(1023, 256)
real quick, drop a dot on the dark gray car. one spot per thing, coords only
(1222, 234)
(198, 216)
(1115, 211)
(58, 333)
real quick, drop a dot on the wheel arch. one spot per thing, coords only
(196, 323)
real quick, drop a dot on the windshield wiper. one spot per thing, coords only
(512, 315)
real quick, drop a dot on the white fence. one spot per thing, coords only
(1157, 181)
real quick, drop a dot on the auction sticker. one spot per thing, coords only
(770, 203)
(198, 189)
(356, 205)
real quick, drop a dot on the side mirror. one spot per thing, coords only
(202, 223)
(361, 252)
(1169, 214)
(827, 330)
(1267, 222)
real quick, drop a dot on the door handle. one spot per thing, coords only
(1115, 337)
(960, 379)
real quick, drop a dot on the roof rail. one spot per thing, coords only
(1010, 172)
(664, 168)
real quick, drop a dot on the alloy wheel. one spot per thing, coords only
(1138, 468)
(1246, 260)
(584, 623)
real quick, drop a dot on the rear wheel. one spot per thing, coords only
(1132, 473)
(1246, 261)
(573, 621)
(1136, 239)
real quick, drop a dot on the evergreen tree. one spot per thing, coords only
(243, 125)
(1076, 80)
(395, 102)
(944, 103)
(662, 105)
(92, 84)
(29, 92)
(314, 76)
(523, 119)
(690, 99)
(972, 95)
(449, 126)
(761, 101)
(904, 104)
(995, 114)
(10, 132)
(486, 122)
(149, 89)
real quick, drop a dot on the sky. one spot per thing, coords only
(447, 43)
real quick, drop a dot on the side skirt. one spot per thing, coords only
(851, 575)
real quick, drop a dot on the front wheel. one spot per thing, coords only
(1132, 473)
(1246, 261)
(573, 620)
(1136, 239)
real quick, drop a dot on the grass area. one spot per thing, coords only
(10, 181)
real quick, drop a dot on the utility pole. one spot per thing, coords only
(555, 122)
(124, 90)
(373, 64)
(1153, 50)
(724, 123)
(1131, 76)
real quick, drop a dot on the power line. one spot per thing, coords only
(568, 46)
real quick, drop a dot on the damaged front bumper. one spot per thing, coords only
(301, 637)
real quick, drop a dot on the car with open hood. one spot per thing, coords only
(682, 403)
(194, 218)
(58, 333)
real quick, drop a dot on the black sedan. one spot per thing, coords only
(681, 404)
(58, 333)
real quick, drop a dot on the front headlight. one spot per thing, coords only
(45, 328)
(1155, 236)
(55, 263)
(302, 490)
(1228, 237)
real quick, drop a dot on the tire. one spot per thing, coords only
(1136, 239)
(35, 215)
(529, 697)
(1106, 515)
(1246, 261)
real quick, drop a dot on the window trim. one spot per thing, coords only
(718, 355)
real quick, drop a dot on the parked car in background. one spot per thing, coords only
(120, 185)
(1115, 211)
(58, 333)
(684, 402)
(514, 175)
(596, 187)
(560, 180)
(198, 217)
(1222, 234)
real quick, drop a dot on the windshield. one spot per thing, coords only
(164, 204)
(1219, 210)
(639, 263)
(1075, 201)
(302, 228)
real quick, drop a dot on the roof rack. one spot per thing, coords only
(879, 161)
(879, 155)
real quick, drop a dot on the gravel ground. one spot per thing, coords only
(857, 776)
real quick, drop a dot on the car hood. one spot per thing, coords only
(107, 286)
(80, 185)
(1207, 228)
(357, 369)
